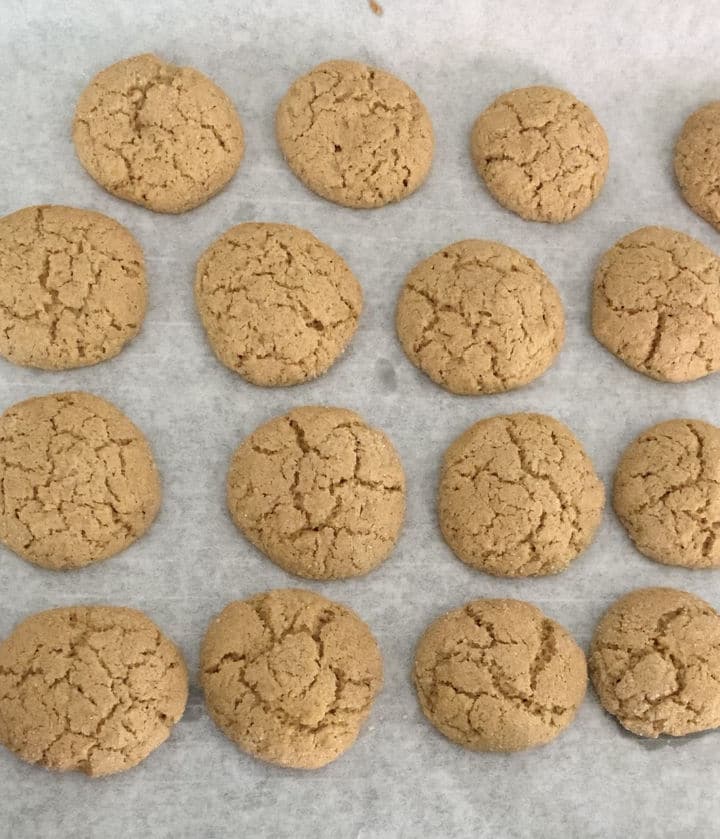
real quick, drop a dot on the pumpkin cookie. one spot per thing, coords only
(78, 481)
(158, 135)
(697, 162)
(290, 676)
(355, 135)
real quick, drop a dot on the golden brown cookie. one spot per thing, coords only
(278, 305)
(78, 481)
(499, 676)
(479, 317)
(355, 135)
(541, 152)
(697, 162)
(667, 493)
(656, 304)
(158, 135)
(319, 492)
(89, 688)
(519, 496)
(72, 287)
(290, 676)
(655, 662)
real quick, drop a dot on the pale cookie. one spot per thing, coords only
(667, 493)
(72, 287)
(499, 676)
(278, 305)
(697, 162)
(78, 481)
(319, 492)
(655, 662)
(656, 304)
(158, 135)
(541, 152)
(479, 317)
(355, 135)
(89, 688)
(519, 496)
(290, 676)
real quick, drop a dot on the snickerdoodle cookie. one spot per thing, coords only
(290, 676)
(519, 496)
(78, 481)
(355, 135)
(158, 135)
(697, 162)
(541, 152)
(72, 287)
(278, 305)
(89, 688)
(479, 317)
(499, 676)
(655, 662)
(319, 491)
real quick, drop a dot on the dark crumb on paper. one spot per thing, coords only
(375, 7)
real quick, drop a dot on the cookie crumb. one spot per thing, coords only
(376, 8)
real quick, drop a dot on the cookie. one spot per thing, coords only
(656, 304)
(479, 317)
(355, 135)
(78, 481)
(278, 305)
(519, 496)
(290, 676)
(667, 493)
(319, 492)
(697, 162)
(655, 662)
(161, 136)
(541, 152)
(72, 287)
(499, 676)
(89, 688)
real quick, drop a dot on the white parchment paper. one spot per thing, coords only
(642, 67)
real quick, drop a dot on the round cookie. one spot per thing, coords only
(541, 152)
(89, 688)
(519, 496)
(656, 304)
(499, 676)
(319, 492)
(697, 162)
(355, 135)
(479, 317)
(667, 493)
(161, 136)
(655, 662)
(72, 287)
(278, 305)
(78, 481)
(290, 676)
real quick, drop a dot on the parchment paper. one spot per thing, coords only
(642, 67)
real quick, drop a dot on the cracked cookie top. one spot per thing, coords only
(667, 493)
(290, 676)
(697, 162)
(655, 662)
(72, 287)
(78, 481)
(499, 676)
(656, 304)
(158, 135)
(355, 135)
(278, 305)
(479, 317)
(519, 496)
(89, 688)
(541, 152)
(319, 492)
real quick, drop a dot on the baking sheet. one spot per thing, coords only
(642, 67)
